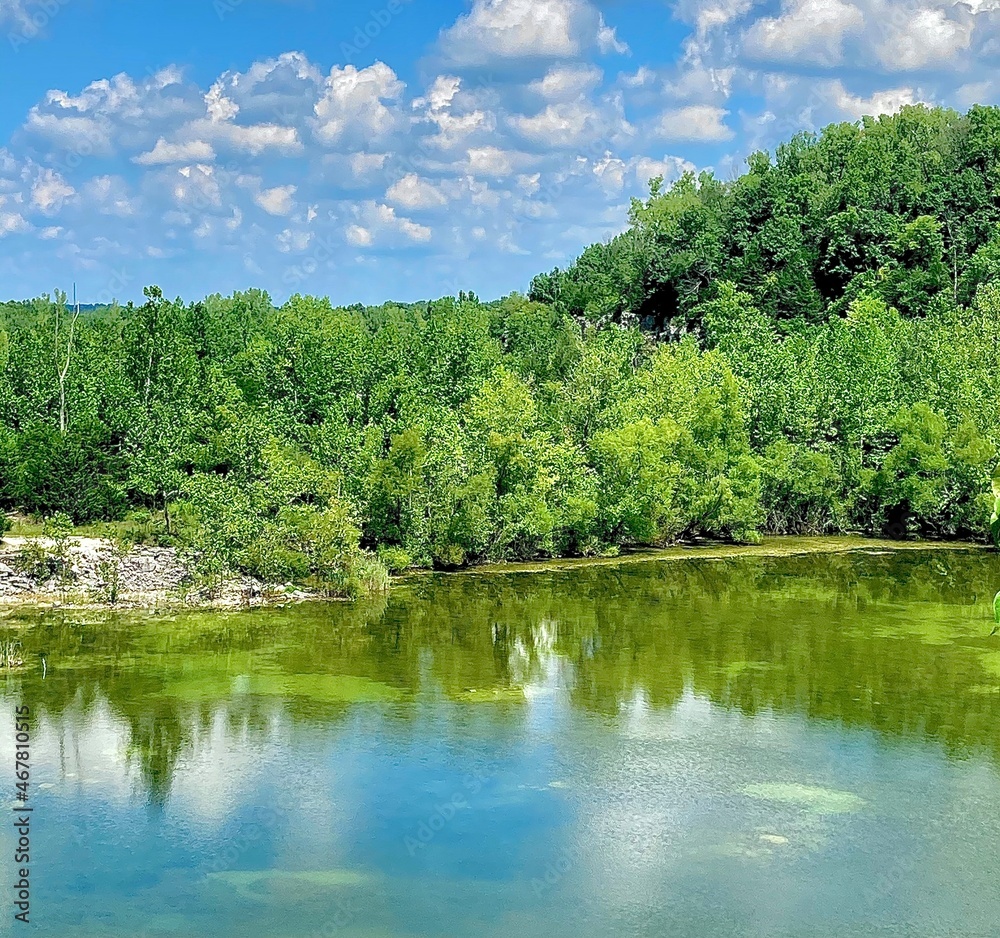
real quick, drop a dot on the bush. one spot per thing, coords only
(802, 490)
(284, 523)
(394, 559)
(78, 474)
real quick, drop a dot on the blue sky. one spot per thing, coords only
(408, 149)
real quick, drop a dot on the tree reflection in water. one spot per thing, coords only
(893, 642)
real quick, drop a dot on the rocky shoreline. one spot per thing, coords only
(93, 572)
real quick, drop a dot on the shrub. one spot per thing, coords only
(394, 559)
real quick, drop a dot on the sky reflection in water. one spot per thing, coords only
(762, 747)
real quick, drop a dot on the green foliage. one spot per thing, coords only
(36, 561)
(897, 205)
(995, 517)
(912, 480)
(802, 490)
(394, 559)
(811, 347)
(279, 518)
(109, 568)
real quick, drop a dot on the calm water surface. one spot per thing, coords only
(762, 747)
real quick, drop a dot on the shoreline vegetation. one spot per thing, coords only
(788, 545)
(100, 574)
(811, 348)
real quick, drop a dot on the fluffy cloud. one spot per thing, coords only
(164, 153)
(12, 222)
(709, 15)
(256, 138)
(697, 122)
(455, 116)
(109, 195)
(86, 136)
(564, 125)
(492, 161)
(670, 168)
(49, 191)
(412, 192)
(359, 106)
(193, 187)
(887, 101)
(923, 38)
(276, 201)
(809, 31)
(378, 222)
(796, 103)
(564, 82)
(358, 236)
(498, 31)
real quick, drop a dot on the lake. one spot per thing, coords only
(740, 746)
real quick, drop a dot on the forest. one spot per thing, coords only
(812, 347)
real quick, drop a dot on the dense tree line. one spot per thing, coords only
(903, 207)
(813, 347)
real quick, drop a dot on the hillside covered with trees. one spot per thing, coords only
(812, 347)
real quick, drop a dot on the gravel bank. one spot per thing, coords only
(99, 575)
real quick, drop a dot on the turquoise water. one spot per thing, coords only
(744, 747)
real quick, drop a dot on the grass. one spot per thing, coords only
(10, 657)
(137, 529)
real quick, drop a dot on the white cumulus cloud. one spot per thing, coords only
(164, 153)
(49, 191)
(359, 106)
(495, 31)
(276, 201)
(696, 123)
(809, 31)
(412, 192)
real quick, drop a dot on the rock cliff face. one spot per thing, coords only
(92, 571)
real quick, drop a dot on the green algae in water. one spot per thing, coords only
(498, 694)
(739, 668)
(809, 797)
(984, 689)
(991, 663)
(289, 885)
(323, 688)
(654, 693)
(326, 688)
